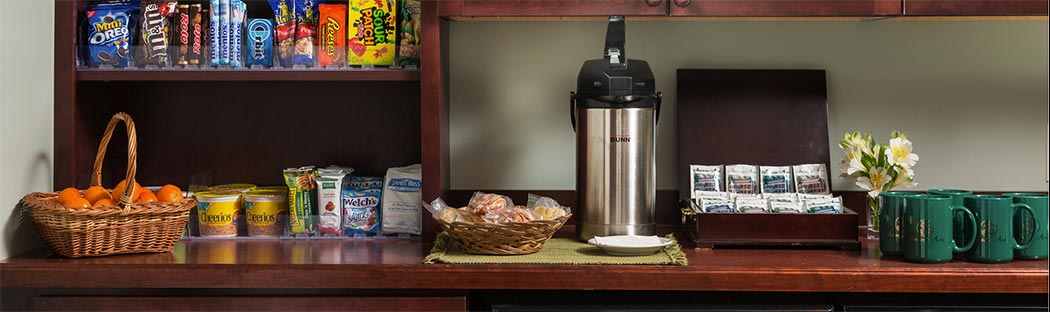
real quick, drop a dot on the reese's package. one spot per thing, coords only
(372, 40)
(331, 35)
(284, 30)
(108, 35)
(408, 47)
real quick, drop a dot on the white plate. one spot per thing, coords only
(630, 245)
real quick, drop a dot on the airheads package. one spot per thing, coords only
(109, 35)
(373, 33)
(361, 214)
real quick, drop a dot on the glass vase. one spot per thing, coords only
(873, 218)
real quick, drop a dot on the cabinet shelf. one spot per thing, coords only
(379, 74)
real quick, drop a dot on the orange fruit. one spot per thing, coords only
(146, 196)
(95, 193)
(104, 202)
(169, 193)
(78, 203)
(122, 186)
(68, 194)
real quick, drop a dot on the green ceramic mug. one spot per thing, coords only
(995, 227)
(957, 200)
(1025, 228)
(891, 213)
(928, 229)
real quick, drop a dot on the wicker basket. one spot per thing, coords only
(502, 239)
(109, 230)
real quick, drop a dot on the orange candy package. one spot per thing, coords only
(331, 35)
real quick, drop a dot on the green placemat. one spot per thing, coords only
(555, 251)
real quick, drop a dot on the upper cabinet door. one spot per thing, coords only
(774, 8)
(552, 7)
(975, 7)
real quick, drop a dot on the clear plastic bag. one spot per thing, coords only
(545, 208)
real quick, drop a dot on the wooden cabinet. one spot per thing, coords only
(975, 7)
(784, 8)
(538, 8)
(248, 303)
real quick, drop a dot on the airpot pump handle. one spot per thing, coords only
(572, 110)
(615, 55)
(659, 99)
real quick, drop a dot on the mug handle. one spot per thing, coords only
(1034, 222)
(973, 235)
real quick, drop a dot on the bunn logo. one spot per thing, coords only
(620, 138)
(328, 36)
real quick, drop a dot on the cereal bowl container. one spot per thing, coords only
(265, 211)
(217, 213)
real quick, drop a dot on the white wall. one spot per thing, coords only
(26, 110)
(971, 94)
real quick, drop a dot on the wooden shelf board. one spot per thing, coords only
(741, 18)
(248, 75)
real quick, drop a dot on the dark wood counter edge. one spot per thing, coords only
(587, 277)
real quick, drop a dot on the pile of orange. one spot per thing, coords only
(99, 196)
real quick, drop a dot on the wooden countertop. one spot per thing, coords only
(396, 264)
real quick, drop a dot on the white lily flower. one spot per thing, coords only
(904, 178)
(876, 179)
(899, 153)
(856, 167)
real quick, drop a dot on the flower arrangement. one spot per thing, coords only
(878, 167)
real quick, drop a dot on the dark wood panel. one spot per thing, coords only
(396, 264)
(65, 90)
(552, 7)
(249, 131)
(975, 7)
(785, 8)
(434, 107)
(260, 303)
(249, 75)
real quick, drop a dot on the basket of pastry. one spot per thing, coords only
(98, 221)
(492, 225)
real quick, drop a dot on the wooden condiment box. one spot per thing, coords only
(757, 117)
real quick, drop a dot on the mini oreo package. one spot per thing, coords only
(109, 35)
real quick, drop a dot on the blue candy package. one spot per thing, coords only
(259, 50)
(361, 183)
(361, 211)
(109, 35)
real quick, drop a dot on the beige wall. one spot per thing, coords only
(972, 95)
(26, 109)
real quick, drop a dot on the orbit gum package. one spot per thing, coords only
(332, 35)
(371, 39)
(259, 36)
(109, 35)
(284, 30)
(305, 32)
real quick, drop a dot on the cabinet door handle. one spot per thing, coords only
(654, 2)
(682, 3)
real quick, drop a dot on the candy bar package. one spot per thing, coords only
(742, 179)
(284, 30)
(187, 34)
(301, 199)
(823, 205)
(408, 41)
(224, 31)
(238, 11)
(214, 30)
(811, 179)
(361, 212)
(706, 179)
(371, 39)
(752, 205)
(259, 38)
(402, 196)
(332, 35)
(109, 29)
(776, 179)
(156, 31)
(329, 201)
(305, 32)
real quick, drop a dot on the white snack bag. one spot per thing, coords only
(402, 199)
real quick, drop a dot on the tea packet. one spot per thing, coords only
(742, 179)
(785, 197)
(776, 179)
(752, 205)
(786, 206)
(811, 179)
(706, 179)
(824, 205)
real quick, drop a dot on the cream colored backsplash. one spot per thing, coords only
(972, 95)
